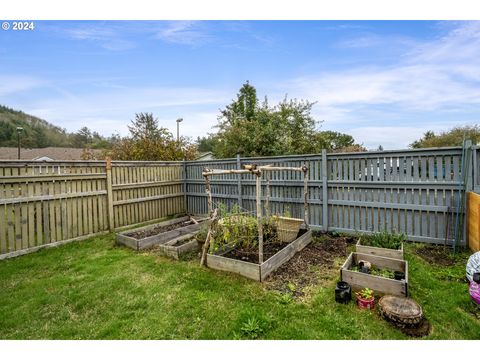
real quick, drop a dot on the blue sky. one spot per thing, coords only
(384, 82)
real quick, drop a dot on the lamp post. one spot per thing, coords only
(179, 120)
(19, 130)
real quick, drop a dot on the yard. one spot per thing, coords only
(97, 290)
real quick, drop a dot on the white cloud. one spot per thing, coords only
(391, 137)
(108, 112)
(442, 75)
(11, 84)
(184, 32)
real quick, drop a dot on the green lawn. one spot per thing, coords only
(96, 290)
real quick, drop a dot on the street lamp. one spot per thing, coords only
(19, 130)
(179, 120)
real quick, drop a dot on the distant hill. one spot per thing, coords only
(38, 133)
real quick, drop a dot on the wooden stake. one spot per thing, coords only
(259, 217)
(209, 195)
(206, 245)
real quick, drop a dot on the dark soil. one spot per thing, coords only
(307, 267)
(436, 255)
(183, 242)
(269, 249)
(140, 234)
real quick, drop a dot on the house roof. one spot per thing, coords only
(53, 153)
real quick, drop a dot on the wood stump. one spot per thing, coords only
(403, 312)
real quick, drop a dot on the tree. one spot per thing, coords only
(145, 126)
(206, 143)
(148, 141)
(252, 128)
(453, 137)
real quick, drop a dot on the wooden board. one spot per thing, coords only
(159, 239)
(372, 250)
(259, 272)
(358, 280)
(473, 225)
(170, 250)
(285, 254)
(246, 269)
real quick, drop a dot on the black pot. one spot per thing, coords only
(476, 277)
(399, 275)
(343, 292)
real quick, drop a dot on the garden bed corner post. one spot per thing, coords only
(259, 215)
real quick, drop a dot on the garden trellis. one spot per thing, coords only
(258, 172)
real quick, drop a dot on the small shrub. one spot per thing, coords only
(383, 239)
(237, 229)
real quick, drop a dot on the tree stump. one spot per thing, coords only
(403, 312)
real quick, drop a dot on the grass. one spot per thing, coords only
(97, 290)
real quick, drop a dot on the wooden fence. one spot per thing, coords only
(415, 192)
(48, 203)
(410, 191)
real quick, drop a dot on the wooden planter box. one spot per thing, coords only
(162, 238)
(358, 280)
(378, 251)
(259, 272)
(171, 250)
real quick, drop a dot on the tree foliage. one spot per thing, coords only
(149, 141)
(38, 133)
(453, 137)
(253, 128)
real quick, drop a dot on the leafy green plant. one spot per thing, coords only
(238, 229)
(365, 294)
(386, 273)
(383, 239)
(252, 328)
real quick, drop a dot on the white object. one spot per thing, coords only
(473, 265)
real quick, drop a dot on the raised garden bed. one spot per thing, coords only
(158, 234)
(380, 284)
(251, 269)
(380, 251)
(179, 246)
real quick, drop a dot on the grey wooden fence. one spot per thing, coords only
(415, 192)
(410, 191)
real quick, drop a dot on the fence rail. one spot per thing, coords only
(411, 191)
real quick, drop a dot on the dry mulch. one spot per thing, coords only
(306, 267)
(140, 234)
(436, 255)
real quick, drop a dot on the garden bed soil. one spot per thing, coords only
(310, 266)
(256, 271)
(160, 233)
(269, 249)
(159, 229)
(436, 255)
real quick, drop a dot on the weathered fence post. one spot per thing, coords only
(108, 169)
(184, 187)
(324, 191)
(469, 181)
(239, 182)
